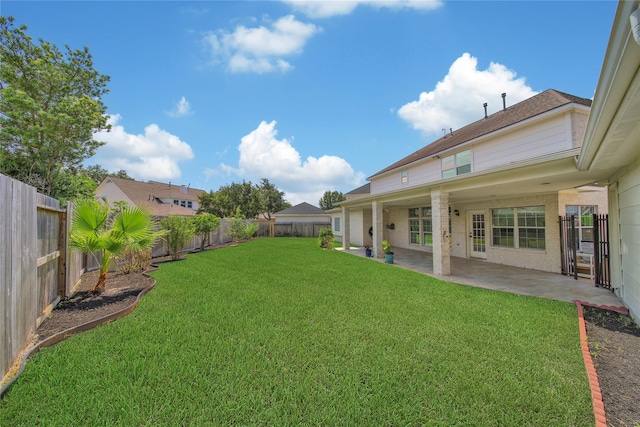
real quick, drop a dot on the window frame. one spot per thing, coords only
(337, 225)
(419, 220)
(579, 222)
(455, 162)
(404, 177)
(519, 227)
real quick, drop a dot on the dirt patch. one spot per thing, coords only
(614, 344)
(83, 306)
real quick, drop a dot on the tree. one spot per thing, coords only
(330, 198)
(73, 185)
(271, 199)
(252, 200)
(179, 230)
(204, 224)
(225, 202)
(50, 108)
(98, 173)
(92, 231)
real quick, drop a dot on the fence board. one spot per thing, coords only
(36, 271)
(19, 254)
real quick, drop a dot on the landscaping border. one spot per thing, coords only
(61, 336)
(594, 384)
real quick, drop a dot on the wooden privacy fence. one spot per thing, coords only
(291, 229)
(36, 270)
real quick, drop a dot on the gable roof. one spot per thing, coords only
(364, 189)
(538, 104)
(303, 208)
(149, 195)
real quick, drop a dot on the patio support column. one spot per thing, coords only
(346, 229)
(377, 222)
(440, 215)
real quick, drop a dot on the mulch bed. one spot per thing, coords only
(614, 344)
(613, 338)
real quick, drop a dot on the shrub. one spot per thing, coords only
(132, 260)
(205, 224)
(179, 231)
(326, 238)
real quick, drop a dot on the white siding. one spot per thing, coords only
(629, 225)
(553, 135)
(530, 142)
(356, 219)
(112, 193)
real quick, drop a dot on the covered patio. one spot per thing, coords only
(522, 281)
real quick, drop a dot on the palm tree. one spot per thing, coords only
(94, 230)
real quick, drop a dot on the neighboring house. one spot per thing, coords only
(493, 189)
(611, 152)
(302, 220)
(158, 198)
(303, 212)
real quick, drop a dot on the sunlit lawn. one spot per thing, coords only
(280, 332)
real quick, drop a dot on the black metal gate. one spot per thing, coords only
(593, 260)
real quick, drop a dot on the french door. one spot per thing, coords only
(477, 235)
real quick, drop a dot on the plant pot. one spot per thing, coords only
(367, 252)
(388, 257)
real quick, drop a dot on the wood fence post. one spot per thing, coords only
(63, 263)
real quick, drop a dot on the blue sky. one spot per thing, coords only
(314, 96)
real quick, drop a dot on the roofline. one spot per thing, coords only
(506, 129)
(616, 76)
(468, 176)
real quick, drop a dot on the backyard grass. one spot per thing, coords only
(280, 332)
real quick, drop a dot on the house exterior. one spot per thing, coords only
(302, 212)
(611, 152)
(493, 189)
(158, 198)
(301, 220)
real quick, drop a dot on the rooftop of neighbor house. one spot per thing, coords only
(541, 103)
(150, 194)
(303, 208)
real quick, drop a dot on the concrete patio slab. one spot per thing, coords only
(522, 281)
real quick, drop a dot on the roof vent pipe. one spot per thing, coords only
(504, 102)
(485, 109)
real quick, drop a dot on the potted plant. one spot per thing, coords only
(367, 250)
(388, 255)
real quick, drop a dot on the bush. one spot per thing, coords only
(132, 260)
(326, 238)
(179, 231)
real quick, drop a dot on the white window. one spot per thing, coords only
(519, 227)
(420, 226)
(583, 219)
(456, 164)
(404, 177)
(190, 205)
(336, 225)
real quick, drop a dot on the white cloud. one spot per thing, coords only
(154, 155)
(182, 108)
(262, 155)
(329, 8)
(457, 100)
(260, 49)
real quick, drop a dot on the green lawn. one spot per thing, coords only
(280, 332)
